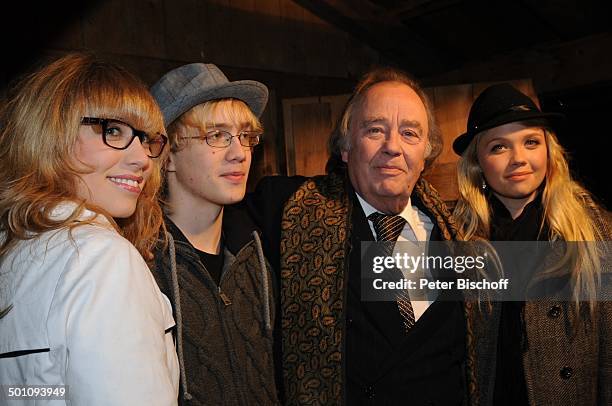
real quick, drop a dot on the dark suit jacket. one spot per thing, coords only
(383, 365)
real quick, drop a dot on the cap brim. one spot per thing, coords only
(460, 144)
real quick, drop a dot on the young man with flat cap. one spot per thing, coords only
(212, 266)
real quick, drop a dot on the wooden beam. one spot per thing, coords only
(418, 8)
(392, 39)
(553, 67)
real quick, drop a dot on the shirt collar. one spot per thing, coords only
(65, 209)
(407, 213)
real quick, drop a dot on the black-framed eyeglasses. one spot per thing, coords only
(223, 139)
(119, 135)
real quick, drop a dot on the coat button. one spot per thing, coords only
(554, 312)
(369, 392)
(349, 323)
(566, 372)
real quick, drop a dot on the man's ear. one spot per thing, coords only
(428, 150)
(170, 163)
(344, 155)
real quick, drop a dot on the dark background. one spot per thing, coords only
(306, 48)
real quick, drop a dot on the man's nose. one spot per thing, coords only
(235, 151)
(392, 144)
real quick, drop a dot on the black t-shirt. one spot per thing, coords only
(213, 264)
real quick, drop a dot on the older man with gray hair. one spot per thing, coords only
(336, 347)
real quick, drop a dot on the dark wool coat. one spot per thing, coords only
(314, 238)
(568, 359)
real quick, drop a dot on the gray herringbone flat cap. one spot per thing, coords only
(189, 85)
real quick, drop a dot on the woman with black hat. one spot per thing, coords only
(515, 185)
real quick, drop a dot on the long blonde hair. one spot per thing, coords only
(40, 125)
(568, 213)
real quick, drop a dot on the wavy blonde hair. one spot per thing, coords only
(568, 212)
(40, 126)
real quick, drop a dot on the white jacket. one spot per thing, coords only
(87, 314)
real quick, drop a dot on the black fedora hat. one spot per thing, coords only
(498, 105)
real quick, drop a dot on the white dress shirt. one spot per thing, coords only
(418, 228)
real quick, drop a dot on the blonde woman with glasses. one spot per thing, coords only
(82, 317)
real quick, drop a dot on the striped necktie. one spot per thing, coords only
(388, 228)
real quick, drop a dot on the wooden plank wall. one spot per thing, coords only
(277, 35)
(451, 107)
(308, 123)
(275, 41)
(278, 42)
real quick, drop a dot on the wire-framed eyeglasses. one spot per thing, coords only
(119, 135)
(223, 139)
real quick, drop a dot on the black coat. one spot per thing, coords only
(383, 365)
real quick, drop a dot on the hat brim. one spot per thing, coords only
(253, 93)
(556, 120)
